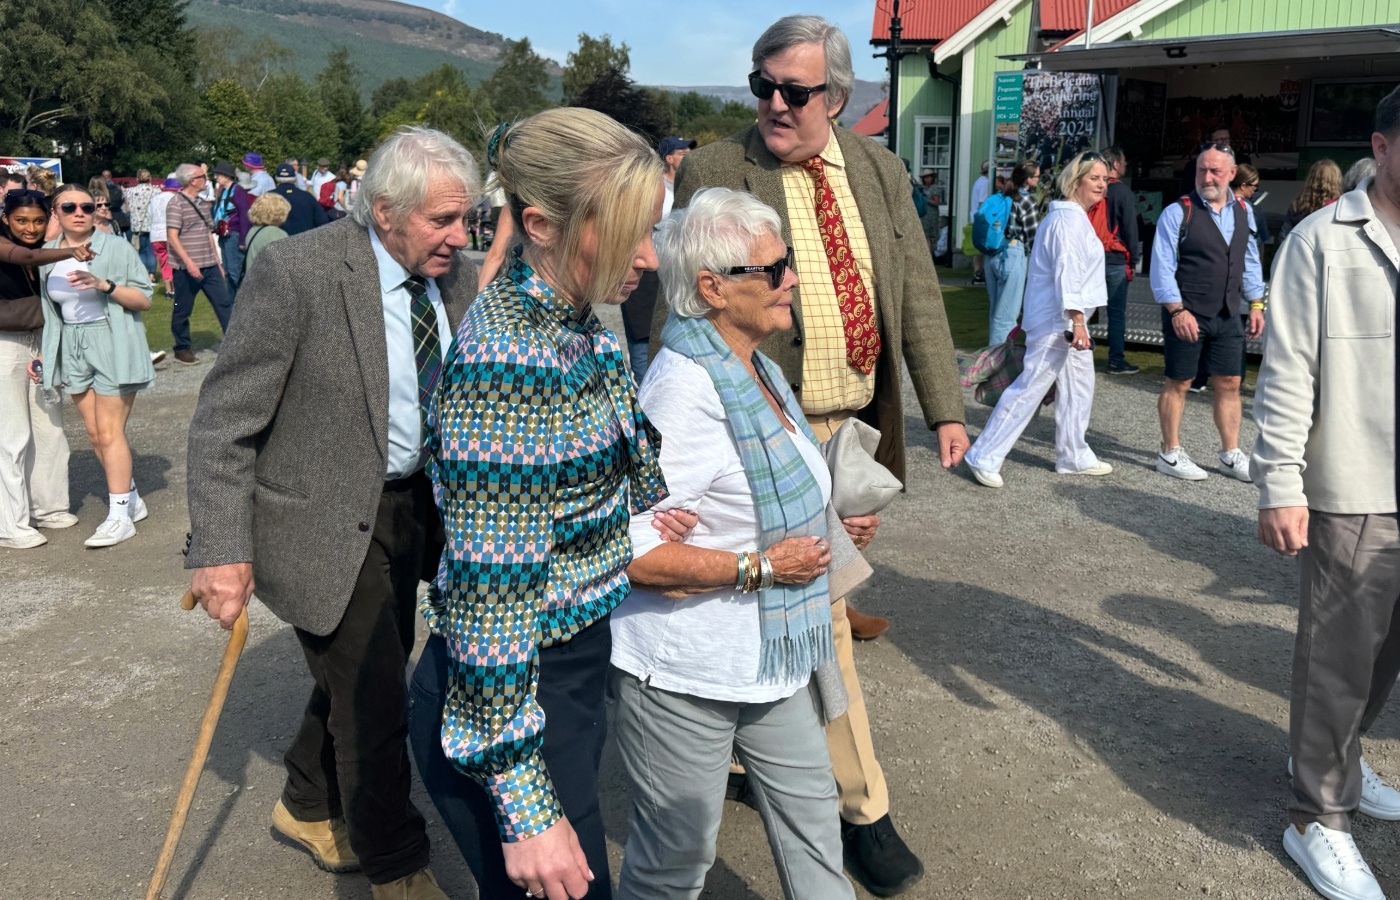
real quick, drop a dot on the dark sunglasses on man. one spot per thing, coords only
(793, 94)
(776, 272)
(69, 208)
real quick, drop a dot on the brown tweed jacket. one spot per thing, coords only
(910, 304)
(289, 443)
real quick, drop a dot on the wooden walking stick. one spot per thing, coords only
(236, 639)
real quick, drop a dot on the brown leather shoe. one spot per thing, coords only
(328, 842)
(421, 885)
(863, 627)
(186, 357)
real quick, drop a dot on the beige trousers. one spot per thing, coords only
(859, 779)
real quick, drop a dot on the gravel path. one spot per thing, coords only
(1084, 693)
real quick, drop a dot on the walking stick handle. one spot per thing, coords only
(236, 639)
(188, 602)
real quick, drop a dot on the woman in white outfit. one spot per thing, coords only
(1064, 285)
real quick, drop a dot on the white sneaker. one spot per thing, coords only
(1177, 464)
(157, 356)
(985, 478)
(1332, 863)
(57, 520)
(1098, 468)
(1235, 464)
(139, 511)
(24, 541)
(112, 531)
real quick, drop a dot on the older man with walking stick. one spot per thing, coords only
(306, 478)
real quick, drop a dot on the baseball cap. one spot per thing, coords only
(285, 170)
(672, 144)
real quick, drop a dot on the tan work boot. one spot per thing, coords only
(421, 885)
(328, 842)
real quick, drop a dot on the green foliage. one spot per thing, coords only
(227, 53)
(614, 94)
(516, 89)
(692, 105)
(594, 59)
(339, 86)
(389, 95)
(443, 99)
(298, 117)
(232, 123)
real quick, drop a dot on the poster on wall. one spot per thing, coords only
(15, 163)
(1045, 116)
(1343, 112)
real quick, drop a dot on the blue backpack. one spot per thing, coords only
(989, 224)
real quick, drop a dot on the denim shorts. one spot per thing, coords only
(1220, 338)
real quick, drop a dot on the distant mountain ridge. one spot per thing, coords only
(864, 95)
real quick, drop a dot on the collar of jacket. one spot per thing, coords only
(1354, 207)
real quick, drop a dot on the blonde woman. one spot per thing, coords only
(94, 347)
(267, 214)
(1064, 285)
(541, 452)
(1322, 186)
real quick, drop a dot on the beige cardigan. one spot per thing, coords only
(1325, 404)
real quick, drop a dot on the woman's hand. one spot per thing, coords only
(861, 529)
(550, 864)
(84, 252)
(84, 280)
(675, 524)
(1080, 336)
(799, 560)
(33, 369)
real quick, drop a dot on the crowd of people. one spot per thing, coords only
(547, 478)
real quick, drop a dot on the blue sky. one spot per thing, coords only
(673, 42)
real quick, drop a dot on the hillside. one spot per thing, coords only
(864, 95)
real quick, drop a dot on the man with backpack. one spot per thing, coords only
(1115, 220)
(1004, 229)
(1205, 264)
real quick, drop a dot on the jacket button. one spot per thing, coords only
(797, 340)
(795, 386)
(364, 526)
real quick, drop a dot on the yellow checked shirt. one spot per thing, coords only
(829, 383)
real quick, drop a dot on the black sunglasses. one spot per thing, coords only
(70, 208)
(793, 94)
(17, 194)
(776, 272)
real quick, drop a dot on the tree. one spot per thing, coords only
(594, 58)
(231, 123)
(226, 53)
(443, 99)
(614, 94)
(516, 88)
(389, 95)
(303, 127)
(690, 106)
(339, 85)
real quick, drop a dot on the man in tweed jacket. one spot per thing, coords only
(803, 65)
(306, 477)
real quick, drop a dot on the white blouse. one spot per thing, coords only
(706, 645)
(1066, 271)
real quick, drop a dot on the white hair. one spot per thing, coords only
(403, 166)
(790, 31)
(185, 172)
(714, 233)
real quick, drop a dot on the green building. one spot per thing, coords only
(1293, 80)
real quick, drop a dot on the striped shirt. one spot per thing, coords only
(829, 383)
(529, 470)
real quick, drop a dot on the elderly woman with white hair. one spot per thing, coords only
(715, 649)
(1064, 285)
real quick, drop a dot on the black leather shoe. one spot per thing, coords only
(878, 859)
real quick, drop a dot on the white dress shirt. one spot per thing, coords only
(405, 427)
(1066, 271)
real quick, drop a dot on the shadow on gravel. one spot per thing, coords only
(1223, 542)
(85, 477)
(1190, 757)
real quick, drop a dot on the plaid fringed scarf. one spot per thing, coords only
(794, 619)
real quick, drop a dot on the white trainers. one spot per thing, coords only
(26, 540)
(57, 520)
(112, 531)
(1177, 464)
(1235, 464)
(1098, 468)
(985, 478)
(1332, 863)
(139, 511)
(1378, 799)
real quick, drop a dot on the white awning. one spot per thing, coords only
(1273, 46)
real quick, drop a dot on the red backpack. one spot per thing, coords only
(327, 198)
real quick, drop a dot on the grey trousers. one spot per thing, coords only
(1345, 659)
(676, 749)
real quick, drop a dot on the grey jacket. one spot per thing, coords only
(913, 323)
(1325, 402)
(289, 443)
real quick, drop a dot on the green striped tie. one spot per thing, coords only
(427, 347)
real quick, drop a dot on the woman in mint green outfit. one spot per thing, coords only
(94, 347)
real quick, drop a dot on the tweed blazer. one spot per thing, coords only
(909, 300)
(289, 442)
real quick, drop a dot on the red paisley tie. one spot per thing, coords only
(857, 312)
